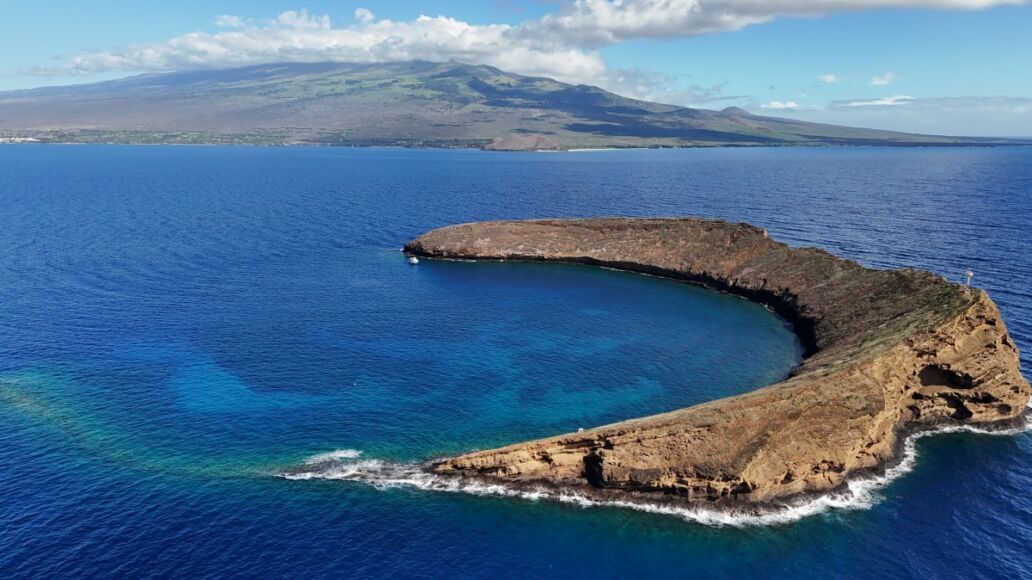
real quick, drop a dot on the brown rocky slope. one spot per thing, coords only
(888, 352)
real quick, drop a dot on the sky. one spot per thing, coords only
(958, 67)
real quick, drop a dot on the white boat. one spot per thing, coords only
(413, 260)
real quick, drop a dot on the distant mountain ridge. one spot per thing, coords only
(408, 104)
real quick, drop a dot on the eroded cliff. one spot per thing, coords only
(887, 351)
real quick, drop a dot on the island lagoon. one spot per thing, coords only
(181, 326)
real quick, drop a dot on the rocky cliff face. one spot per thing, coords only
(887, 352)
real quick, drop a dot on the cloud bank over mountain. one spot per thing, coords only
(566, 44)
(563, 44)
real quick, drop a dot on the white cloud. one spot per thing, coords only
(301, 19)
(893, 101)
(580, 27)
(562, 44)
(780, 106)
(884, 80)
(229, 21)
(974, 116)
(660, 88)
(602, 22)
(829, 78)
(297, 36)
(364, 15)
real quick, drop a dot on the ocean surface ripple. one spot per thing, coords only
(215, 362)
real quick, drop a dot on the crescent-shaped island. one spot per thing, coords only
(887, 353)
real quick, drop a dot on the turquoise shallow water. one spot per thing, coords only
(180, 325)
(489, 354)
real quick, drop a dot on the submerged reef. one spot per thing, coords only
(888, 352)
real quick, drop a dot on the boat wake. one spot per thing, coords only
(862, 492)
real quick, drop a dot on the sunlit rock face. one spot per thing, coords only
(888, 352)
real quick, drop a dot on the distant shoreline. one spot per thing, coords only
(245, 143)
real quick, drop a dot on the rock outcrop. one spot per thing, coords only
(887, 352)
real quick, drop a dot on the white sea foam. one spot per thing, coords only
(862, 492)
(333, 456)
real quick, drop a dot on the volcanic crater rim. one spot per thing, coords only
(885, 352)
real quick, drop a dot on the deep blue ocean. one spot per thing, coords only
(180, 327)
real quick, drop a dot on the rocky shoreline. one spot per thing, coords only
(888, 353)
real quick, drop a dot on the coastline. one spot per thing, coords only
(889, 359)
(29, 137)
(859, 492)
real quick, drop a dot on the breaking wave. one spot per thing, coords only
(332, 456)
(861, 492)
